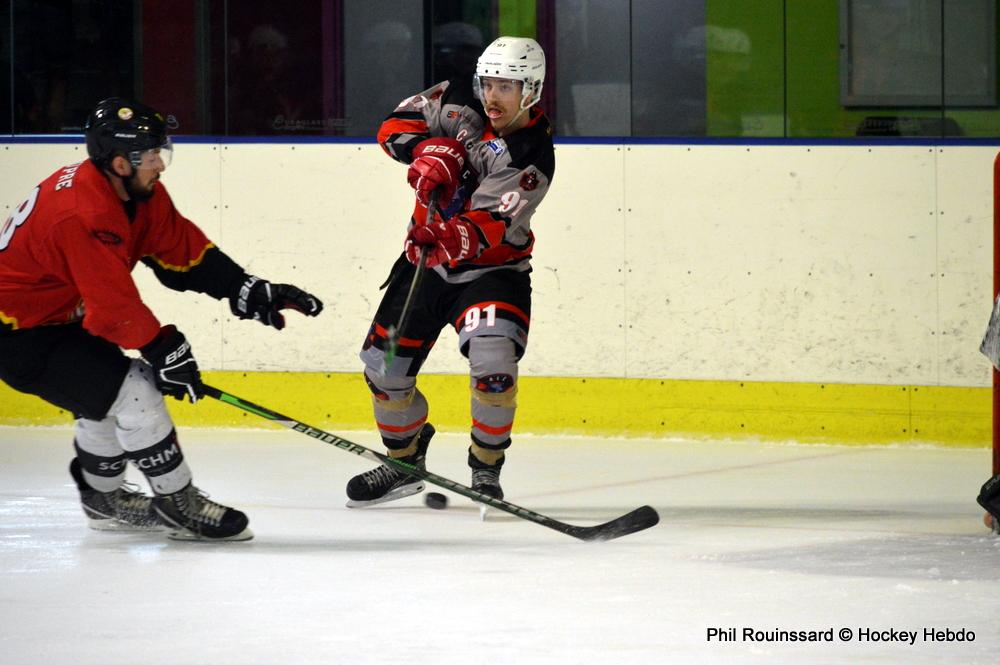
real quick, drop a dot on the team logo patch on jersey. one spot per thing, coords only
(495, 383)
(497, 146)
(108, 237)
(529, 181)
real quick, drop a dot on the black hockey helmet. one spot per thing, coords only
(119, 126)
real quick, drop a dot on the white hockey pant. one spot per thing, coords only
(137, 428)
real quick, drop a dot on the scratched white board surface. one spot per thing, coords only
(782, 263)
(776, 263)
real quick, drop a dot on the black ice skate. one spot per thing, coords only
(487, 481)
(486, 477)
(191, 516)
(385, 483)
(989, 498)
(123, 509)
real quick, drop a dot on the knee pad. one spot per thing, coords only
(400, 409)
(140, 416)
(145, 431)
(493, 370)
(391, 392)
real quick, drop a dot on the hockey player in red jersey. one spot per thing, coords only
(68, 306)
(484, 149)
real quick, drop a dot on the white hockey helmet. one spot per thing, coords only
(515, 58)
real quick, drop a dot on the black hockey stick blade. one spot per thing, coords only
(637, 520)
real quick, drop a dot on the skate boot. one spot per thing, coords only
(486, 477)
(385, 483)
(123, 509)
(989, 498)
(191, 516)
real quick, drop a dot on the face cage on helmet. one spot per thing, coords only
(152, 157)
(529, 90)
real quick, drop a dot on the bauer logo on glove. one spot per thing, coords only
(437, 163)
(447, 242)
(259, 299)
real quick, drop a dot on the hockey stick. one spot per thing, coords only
(637, 520)
(396, 331)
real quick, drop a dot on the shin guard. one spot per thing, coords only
(493, 374)
(400, 411)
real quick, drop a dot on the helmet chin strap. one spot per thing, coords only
(501, 130)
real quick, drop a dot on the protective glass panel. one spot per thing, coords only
(668, 68)
(277, 65)
(67, 56)
(5, 61)
(593, 70)
(771, 68)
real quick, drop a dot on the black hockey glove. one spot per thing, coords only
(263, 301)
(989, 498)
(175, 370)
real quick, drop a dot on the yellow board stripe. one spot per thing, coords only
(807, 412)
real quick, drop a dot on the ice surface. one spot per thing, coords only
(753, 535)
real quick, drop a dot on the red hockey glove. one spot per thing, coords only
(446, 242)
(437, 162)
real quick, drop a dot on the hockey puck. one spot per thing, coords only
(436, 501)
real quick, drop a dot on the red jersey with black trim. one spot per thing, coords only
(68, 251)
(505, 179)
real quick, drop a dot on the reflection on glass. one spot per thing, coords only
(457, 46)
(275, 69)
(67, 57)
(770, 68)
(668, 68)
(593, 82)
(382, 63)
(5, 60)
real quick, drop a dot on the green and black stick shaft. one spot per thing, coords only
(396, 332)
(636, 520)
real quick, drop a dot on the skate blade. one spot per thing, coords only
(190, 536)
(483, 511)
(398, 493)
(113, 525)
